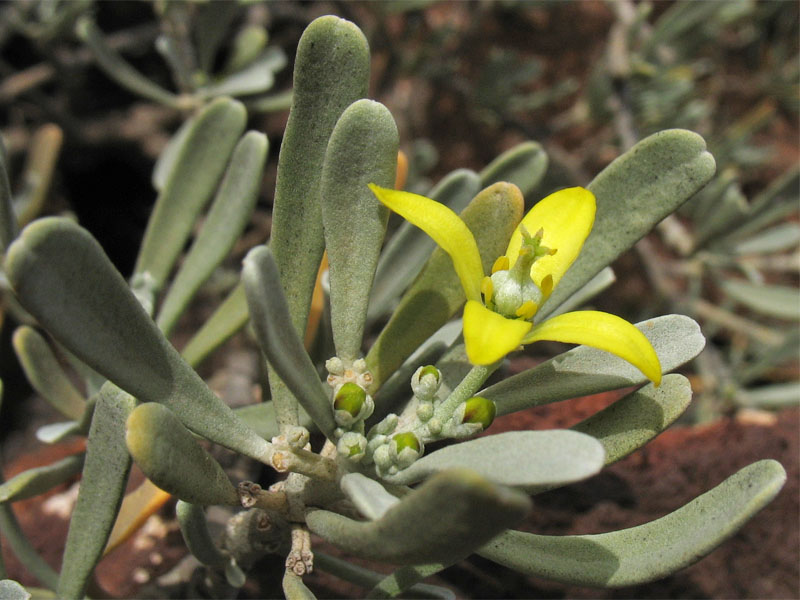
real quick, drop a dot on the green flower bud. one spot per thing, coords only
(424, 411)
(350, 398)
(352, 445)
(425, 382)
(479, 410)
(406, 439)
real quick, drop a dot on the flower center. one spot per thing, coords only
(512, 292)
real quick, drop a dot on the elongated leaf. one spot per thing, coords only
(172, 459)
(782, 302)
(775, 239)
(229, 215)
(102, 487)
(437, 293)
(43, 153)
(647, 552)
(45, 373)
(524, 165)
(446, 517)
(280, 342)
(521, 459)
(194, 527)
(631, 422)
(165, 163)
(294, 588)
(40, 479)
(331, 72)
(777, 395)
(100, 321)
(256, 78)
(633, 194)
(362, 150)
(366, 578)
(583, 371)
(369, 497)
(229, 318)
(405, 579)
(120, 70)
(198, 168)
(14, 539)
(408, 249)
(8, 220)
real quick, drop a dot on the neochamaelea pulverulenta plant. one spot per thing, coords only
(371, 488)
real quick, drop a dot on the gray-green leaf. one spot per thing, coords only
(521, 459)
(99, 319)
(449, 516)
(362, 150)
(647, 552)
(40, 479)
(172, 459)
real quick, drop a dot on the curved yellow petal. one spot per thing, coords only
(604, 331)
(447, 230)
(566, 218)
(489, 336)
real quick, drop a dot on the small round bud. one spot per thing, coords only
(384, 427)
(350, 398)
(335, 366)
(382, 457)
(425, 382)
(352, 445)
(435, 426)
(424, 411)
(405, 449)
(480, 411)
(406, 440)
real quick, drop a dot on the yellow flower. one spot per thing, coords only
(498, 315)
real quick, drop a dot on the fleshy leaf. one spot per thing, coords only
(98, 319)
(197, 170)
(524, 165)
(449, 516)
(45, 373)
(447, 229)
(365, 578)
(40, 479)
(225, 222)
(194, 527)
(294, 588)
(782, 302)
(281, 344)
(649, 551)
(634, 193)
(436, 294)
(583, 371)
(632, 421)
(605, 332)
(331, 71)
(105, 474)
(522, 459)
(369, 497)
(490, 336)
(224, 322)
(362, 150)
(8, 220)
(173, 460)
(565, 218)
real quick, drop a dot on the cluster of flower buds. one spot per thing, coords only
(352, 405)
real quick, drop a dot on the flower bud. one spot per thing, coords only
(352, 445)
(424, 411)
(405, 449)
(480, 411)
(350, 398)
(425, 382)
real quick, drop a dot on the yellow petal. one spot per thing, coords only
(604, 331)
(566, 217)
(489, 336)
(447, 230)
